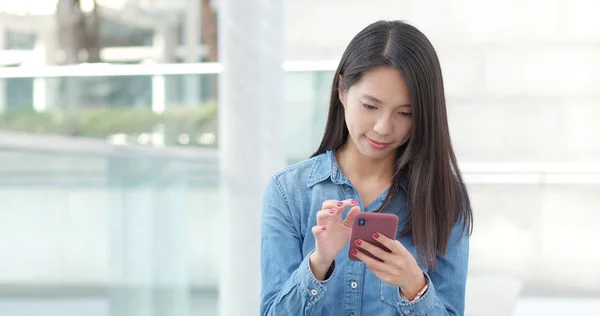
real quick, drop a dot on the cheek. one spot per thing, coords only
(355, 120)
(409, 130)
(404, 129)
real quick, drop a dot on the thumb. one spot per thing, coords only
(351, 216)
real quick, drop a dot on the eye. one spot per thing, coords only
(369, 107)
(407, 114)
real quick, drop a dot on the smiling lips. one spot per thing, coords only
(377, 145)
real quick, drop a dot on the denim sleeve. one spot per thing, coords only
(447, 281)
(288, 284)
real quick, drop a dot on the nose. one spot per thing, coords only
(383, 126)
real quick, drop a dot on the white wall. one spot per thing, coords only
(522, 77)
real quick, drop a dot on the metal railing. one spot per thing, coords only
(530, 173)
(114, 70)
(475, 172)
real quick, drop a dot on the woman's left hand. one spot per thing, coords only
(399, 268)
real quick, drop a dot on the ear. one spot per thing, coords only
(341, 93)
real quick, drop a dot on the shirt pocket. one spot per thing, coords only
(389, 294)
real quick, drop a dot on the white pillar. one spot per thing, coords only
(50, 49)
(39, 84)
(250, 139)
(158, 94)
(3, 100)
(164, 42)
(192, 49)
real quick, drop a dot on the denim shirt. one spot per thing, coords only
(290, 202)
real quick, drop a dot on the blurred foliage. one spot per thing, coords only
(106, 122)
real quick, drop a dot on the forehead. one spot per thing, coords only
(383, 83)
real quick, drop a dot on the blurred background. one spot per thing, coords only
(136, 137)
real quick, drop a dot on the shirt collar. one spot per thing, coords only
(326, 166)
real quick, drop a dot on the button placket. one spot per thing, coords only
(353, 294)
(352, 193)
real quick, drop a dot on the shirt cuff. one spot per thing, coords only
(421, 305)
(310, 287)
(419, 294)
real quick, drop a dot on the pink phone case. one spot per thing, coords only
(365, 224)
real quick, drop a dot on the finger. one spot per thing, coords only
(370, 262)
(374, 250)
(351, 216)
(324, 215)
(392, 244)
(339, 205)
(319, 229)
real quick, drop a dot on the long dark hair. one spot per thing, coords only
(437, 195)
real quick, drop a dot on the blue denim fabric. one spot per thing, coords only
(290, 202)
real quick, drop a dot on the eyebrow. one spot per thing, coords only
(374, 99)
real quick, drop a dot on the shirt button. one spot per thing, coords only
(354, 285)
(406, 312)
(313, 292)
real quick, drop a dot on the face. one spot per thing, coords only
(378, 112)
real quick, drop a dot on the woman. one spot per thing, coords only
(387, 149)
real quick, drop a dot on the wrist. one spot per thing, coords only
(414, 289)
(319, 266)
(316, 259)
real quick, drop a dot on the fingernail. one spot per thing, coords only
(358, 242)
(354, 202)
(332, 212)
(323, 227)
(354, 252)
(340, 204)
(375, 235)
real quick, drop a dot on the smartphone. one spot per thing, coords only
(365, 224)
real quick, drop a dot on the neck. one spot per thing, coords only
(359, 168)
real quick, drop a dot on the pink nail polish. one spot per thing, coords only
(340, 204)
(332, 212)
(354, 202)
(358, 242)
(375, 235)
(354, 252)
(323, 227)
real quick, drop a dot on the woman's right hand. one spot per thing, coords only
(331, 233)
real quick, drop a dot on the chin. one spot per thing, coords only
(376, 154)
